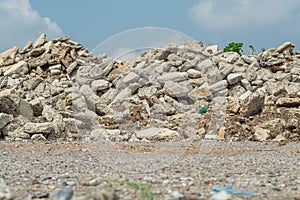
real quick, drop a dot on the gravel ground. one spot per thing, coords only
(35, 170)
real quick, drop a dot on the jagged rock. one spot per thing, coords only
(251, 72)
(233, 105)
(292, 123)
(38, 62)
(234, 78)
(246, 84)
(40, 41)
(34, 83)
(90, 97)
(204, 65)
(38, 128)
(8, 57)
(27, 47)
(261, 134)
(102, 70)
(279, 138)
(225, 69)
(244, 96)
(38, 137)
(7, 103)
(25, 109)
(275, 88)
(173, 76)
(257, 83)
(14, 134)
(174, 89)
(72, 67)
(285, 46)
(275, 126)
(71, 127)
(5, 119)
(37, 106)
(248, 59)
(213, 49)
(122, 95)
(158, 134)
(117, 135)
(100, 85)
(55, 70)
(131, 78)
(200, 93)
(192, 73)
(266, 75)
(58, 127)
(288, 102)
(14, 128)
(230, 57)
(219, 87)
(18, 68)
(296, 70)
(252, 105)
(109, 96)
(237, 91)
(37, 52)
(49, 113)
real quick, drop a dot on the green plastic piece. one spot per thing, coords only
(203, 110)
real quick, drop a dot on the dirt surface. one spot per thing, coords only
(34, 170)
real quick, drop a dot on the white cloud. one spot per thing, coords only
(221, 15)
(19, 22)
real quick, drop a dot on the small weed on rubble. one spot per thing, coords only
(238, 48)
(234, 47)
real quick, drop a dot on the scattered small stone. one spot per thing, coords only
(5, 193)
(175, 196)
(107, 194)
(221, 196)
(61, 194)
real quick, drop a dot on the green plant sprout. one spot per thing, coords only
(234, 47)
(252, 49)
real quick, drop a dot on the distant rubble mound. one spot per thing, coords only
(58, 90)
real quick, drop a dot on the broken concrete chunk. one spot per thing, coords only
(8, 57)
(25, 109)
(234, 78)
(252, 105)
(40, 41)
(5, 119)
(174, 89)
(173, 76)
(158, 134)
(38, 128)
(261, 134)
(18, 68)
(288, 102)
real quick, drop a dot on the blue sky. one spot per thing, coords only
(261, 23)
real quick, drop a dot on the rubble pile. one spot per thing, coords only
(57, 89)
(34, 82)
(265, 101)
